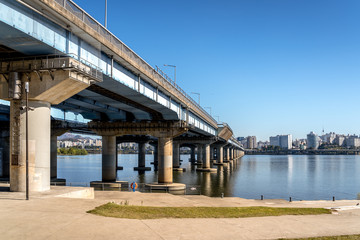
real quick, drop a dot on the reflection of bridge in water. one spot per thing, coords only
(74, 64)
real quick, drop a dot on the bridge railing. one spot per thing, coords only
(95, 25)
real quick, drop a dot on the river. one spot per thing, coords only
(302, 177)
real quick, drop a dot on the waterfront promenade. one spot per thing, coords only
(46, 216)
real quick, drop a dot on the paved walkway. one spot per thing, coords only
(45, 216)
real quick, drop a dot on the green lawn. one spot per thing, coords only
(142, 212)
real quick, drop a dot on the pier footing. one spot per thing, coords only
(173, 188)
(110, 186)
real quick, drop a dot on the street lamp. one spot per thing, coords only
(105, 13)
(198, 96)
(209, 108)
(167, 65)
(27, 138)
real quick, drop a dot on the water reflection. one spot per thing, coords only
(301, 177)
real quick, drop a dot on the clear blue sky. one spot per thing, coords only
(266, 67)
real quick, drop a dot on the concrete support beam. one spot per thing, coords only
(156, 158)
(165, 151)
(192, 156)
(206, 156)
(220, 154)
(206, 160)
(199, 153)
(176, 155)
(39, 146)
(4, 153)
(108, 158)
(53, 161)
(141, 158)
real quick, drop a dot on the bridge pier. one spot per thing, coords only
(176, 155)
(4, 151)
(141, 158)
(39, 146)
(192, 154)
(163, 131)
(219, 155)
(165, 151)
(200, 155)
(108, 158)
(55, 132)
(206, 159)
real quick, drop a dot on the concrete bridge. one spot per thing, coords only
(71, 62)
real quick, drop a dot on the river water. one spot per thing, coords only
(302, 177)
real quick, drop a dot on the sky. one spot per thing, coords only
(265, 67)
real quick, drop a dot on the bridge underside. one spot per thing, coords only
(115, 107)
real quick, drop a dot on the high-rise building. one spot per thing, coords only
(312, 140)
(283, 141)
(340, 140)
(353, 141)
(275, 141)
(251, 142)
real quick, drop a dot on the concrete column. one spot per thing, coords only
(141, 154)
(4, 154)
(220, 154)
(176, 155)
(231, 152)
(53, 162)
(227, 154)
(39, 146)
(108, 158)
(192, 156)
(206, 156)
(165, 151)
(199, 153)
(141, 158)
(156, 158)
(211, 152)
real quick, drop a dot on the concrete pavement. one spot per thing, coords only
(45, 216)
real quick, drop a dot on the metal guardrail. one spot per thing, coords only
(95, 25)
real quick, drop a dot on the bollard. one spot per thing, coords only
(290, 200)
(262, 197)
(333, 198)
(222, 195)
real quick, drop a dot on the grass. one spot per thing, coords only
(143, 212)
(341, 237)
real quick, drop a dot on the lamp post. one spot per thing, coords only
(198, 96)
(105, 13)
(167, 65)
(27, 138)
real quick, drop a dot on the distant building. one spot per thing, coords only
(353, 141)
(275, 141)
(312, 140)
(329, 138)
(340, 140)
(261, 144)
(251, 142)
(283, 141)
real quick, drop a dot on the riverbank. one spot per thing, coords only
(49, 217)
(304, 152)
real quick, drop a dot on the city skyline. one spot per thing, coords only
(287, 66)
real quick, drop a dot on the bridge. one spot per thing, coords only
(71, 62)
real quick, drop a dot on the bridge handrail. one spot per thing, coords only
(98, 27)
